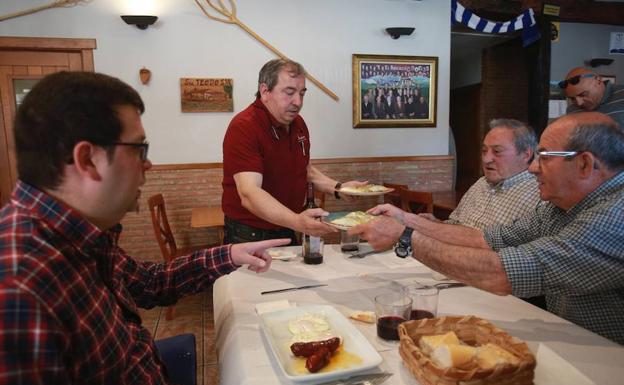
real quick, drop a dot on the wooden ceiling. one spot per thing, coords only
(579, 11)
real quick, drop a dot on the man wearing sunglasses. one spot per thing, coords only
(69, 295)
(587, 91)
(571, 249)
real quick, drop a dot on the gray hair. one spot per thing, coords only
(605, 141)
(270, 72)
(524, 136)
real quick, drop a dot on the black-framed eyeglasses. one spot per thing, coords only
(558, 154)
(142, 146)
(574, 80)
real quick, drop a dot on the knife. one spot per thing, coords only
(364, 379)
(292, 288)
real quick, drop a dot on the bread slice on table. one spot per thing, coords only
(363, 316)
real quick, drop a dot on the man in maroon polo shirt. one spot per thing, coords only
(266, 162)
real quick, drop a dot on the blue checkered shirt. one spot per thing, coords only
(574, 258)
(485, 204)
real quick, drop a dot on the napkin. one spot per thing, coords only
(267, 307)
(553, 369)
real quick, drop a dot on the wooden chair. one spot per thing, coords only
(319, 198)
(394, 197)
(164, 236)
(416, 202)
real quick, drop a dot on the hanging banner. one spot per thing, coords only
(525, 22)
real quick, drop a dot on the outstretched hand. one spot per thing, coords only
(388, 210)
(381, 233)
(255, 254)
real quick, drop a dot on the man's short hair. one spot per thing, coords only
(524, 136)
(61, 110)
(605, 141)
(270, 72)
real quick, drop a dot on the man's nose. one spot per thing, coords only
(534, 165)
(297, 100)
(579, 101)
(147, 164)
(486, 156)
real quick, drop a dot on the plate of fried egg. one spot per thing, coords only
(344, 220)
(317, 343)
(366, 190)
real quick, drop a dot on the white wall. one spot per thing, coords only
(578, 43)
(321, 34)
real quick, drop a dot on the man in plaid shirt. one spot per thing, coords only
(68, 293)
(571, 250)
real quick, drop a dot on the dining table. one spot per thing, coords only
(245, 356)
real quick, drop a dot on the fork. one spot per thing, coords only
(362, 255)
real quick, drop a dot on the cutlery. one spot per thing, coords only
(293, 288)
(448, 285)
(362, 255)
(365, 379)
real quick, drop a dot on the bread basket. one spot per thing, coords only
(472, 331)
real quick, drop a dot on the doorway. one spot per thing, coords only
(23, 61)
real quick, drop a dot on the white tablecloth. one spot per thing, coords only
(245, 357)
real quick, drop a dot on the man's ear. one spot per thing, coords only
(85, 162)
(586, 163)
(527, 155)
(264, 89)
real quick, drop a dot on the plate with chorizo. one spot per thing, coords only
(317, 343)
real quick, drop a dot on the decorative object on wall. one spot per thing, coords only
(394, 91)
(145, 75)
(525, 22)
(396, 32)
(230, 18)
(141, 21)
(206, 95)
(55, 4)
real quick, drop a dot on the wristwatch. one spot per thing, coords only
(336, 188)
(403, 248)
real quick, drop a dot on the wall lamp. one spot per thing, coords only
(600, 62)
(141, 21)
(396, 32)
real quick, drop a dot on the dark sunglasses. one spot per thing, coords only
(574, 80)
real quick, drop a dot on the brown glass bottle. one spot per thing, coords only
(312, 253)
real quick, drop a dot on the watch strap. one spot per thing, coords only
(403, 248)
(336, 188)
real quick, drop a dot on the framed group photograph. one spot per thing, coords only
(394, 91)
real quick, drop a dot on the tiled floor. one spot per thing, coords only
(191, 315)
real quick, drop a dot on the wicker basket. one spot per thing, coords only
(472, 331)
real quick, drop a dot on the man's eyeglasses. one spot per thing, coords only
(574, 80)
(559, 154)
(142, 146)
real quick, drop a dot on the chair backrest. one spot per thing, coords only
(416, 201)
(162, 230)
(394, 197)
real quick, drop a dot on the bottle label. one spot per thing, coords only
(315, 244)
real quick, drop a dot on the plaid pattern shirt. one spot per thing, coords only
(485, 204)
(69, 297)
(574, 258)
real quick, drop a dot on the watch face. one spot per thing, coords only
(401, 251)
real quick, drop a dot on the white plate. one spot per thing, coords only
(275, 328)
(365, 193)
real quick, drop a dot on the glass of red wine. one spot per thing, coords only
(424, 301)
(391, 310)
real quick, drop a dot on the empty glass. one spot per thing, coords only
(348, 242)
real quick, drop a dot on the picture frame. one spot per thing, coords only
(206, 95)
(398, 78)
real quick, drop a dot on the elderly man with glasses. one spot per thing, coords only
(587, 91)
(571, 249)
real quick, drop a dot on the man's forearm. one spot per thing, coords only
(262, 204)
(476, 267)
(321, 181)
(451, 234)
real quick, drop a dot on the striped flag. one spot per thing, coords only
(525, 22)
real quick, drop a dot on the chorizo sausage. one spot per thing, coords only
(306, 349)
(318, 360)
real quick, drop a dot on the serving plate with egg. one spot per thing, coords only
(344, 220)
(366, 190)
(310, 323)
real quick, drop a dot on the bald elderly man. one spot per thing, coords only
(587, 91)
(570, 249)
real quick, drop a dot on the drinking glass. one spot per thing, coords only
(424, 301)
(391, 310)
(349, 242)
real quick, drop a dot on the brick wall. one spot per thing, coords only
(188, 186)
